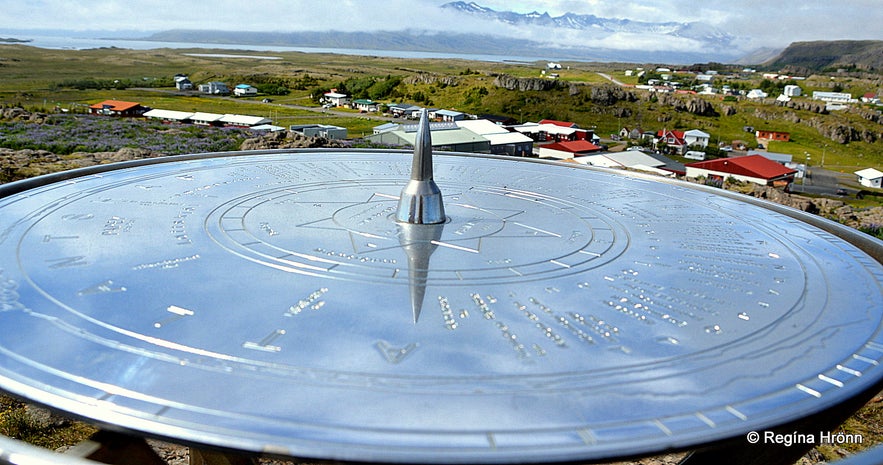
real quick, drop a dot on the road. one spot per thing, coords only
(612, 79)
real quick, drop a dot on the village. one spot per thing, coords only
(664, 152)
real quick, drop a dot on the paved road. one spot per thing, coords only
(611, 79)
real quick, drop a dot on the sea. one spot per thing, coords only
(81, 43)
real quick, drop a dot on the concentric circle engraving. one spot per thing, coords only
(353, 235)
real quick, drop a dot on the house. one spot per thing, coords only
(792, 91)
(335, 99)
(871, 98)
(214, 88)
(244, 90)
(756, 94)
(751, 168)
(674, 140)
(117, 108)
(503, 141)
(320, 130)
(365, 105)
(773, 135)
(695, 137)
(870, 177)
(183, 83)
(449, 115)
(568, 149)
(402, 110)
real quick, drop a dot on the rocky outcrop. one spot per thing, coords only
(694, 105)
(21, 164)
(431, 78)
(610, 95)
(829, 208)
(287, 140)
(20, 114)
(524, 84)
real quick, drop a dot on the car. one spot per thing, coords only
(842, 191)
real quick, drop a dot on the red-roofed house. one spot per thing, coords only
(673, 139)
(752, 168)
(117, 108)
(568, 149)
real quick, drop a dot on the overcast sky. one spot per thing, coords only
(759, 22)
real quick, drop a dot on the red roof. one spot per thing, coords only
(115, 105)
(564, 124)
(573, 146)
(677, 135)
(756, 166)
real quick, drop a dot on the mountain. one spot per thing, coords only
(857, 55)
(457, 44)
(706, 34)
(571, 36)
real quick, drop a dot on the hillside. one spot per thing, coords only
(853, 55)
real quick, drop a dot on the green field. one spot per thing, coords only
(49, 80)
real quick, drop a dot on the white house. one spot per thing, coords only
(215, 88)
(336, 99)
(791, 91)
(243, 90)
(870, 177)
(696, 137)
(756, 93)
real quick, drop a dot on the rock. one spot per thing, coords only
(287, 140)
(524, 84)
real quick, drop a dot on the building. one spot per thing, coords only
(214, 88)
(319, 130)
(445, 136)
(244, 90)
(870, 177)
(833, 97)
(631, 159)
(183, 84)
(674, 140)
(773, 135)
(242, 121)
(448, 115)
(792, 91)
(403, 110)
(503, 141)
(206, 119)
(117, 108)
(554, 131)
(365, 105)
(567, 150)
(170, 116)
(751, 168)
(335, 99)
(695, 137)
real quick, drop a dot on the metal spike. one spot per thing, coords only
(421, 199)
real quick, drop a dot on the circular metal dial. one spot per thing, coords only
(270, 302)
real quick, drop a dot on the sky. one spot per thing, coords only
(758, 23)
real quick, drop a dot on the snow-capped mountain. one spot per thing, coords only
(704, 33)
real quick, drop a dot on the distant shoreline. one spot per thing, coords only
(13, 40)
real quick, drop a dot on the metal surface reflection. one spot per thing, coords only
(269, 302)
